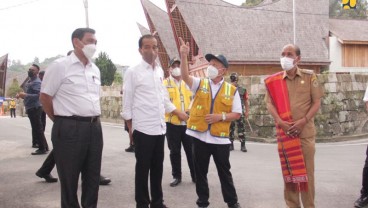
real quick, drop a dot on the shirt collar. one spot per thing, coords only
(75, 59)
(220, 83)
(298, 72)
(147, 65)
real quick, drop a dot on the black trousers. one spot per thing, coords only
(149, 154)
(364, 190)
(12, 112)
(43, 120)
(77, 150)
(176, 136)
(38, 136)
(202, 153)
(48, 164)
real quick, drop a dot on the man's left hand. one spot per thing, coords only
(297, 127)
(213, 118)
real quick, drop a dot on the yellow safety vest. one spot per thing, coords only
(12, 104)
(203, 105)
(179, 96)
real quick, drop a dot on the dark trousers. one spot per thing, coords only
(43, 120)
(38, 136)
(77, 150)
(202, 152)
(176, 136)
(364, 190)
(12, 112)
(149, 154)
(48, 164)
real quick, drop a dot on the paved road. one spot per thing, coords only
(256, 174)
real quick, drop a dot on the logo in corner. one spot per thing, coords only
(349, 4)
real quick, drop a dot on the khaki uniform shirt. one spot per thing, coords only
(303, 90)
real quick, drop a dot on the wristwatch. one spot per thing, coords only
(223, 116)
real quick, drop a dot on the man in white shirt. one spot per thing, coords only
(145, 102)
(216, 103)
(70, 95)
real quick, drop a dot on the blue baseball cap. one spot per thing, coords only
(221, 58)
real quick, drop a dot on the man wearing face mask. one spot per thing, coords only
(70, 94)
(293, 98)
(145, 102)
(181, 96)
(216, 103)
(34, 109)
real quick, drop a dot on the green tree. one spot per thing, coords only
(118, 79)
(107, 68)
(249, 3)
(16, 66)
(36, 61)
(337, 11)
(14, 88)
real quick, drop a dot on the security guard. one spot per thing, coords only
(180, 95)
(240, 123)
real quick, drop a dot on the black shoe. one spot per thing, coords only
(243, 148)
(131, 148)
(35, 146)
(162, 206)
(175, 182)
(39, 152)
(104, 180)
(49, 178)
(237, 205)
(361, 202)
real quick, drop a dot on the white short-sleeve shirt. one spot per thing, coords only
(75, 88)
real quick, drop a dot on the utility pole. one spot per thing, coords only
(294, 22)
(86, 10)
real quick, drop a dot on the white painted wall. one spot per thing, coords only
(336, 59)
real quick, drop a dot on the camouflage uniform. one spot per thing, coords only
(238, 126)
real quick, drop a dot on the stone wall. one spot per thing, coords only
(342, 110)
(111, 104)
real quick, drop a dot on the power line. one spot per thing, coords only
(256, 8)
(18, 5)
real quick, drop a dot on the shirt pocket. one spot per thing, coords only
(74, 84)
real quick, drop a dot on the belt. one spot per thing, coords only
(91, 119)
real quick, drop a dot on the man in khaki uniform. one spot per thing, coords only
(304, 92)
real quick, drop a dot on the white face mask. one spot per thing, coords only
(176, 72)
(212, 72)
(89, 50)
(287, 63)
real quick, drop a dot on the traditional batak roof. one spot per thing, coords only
(160, 24)
(143, 29)
(350, 31)
(257, 34)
